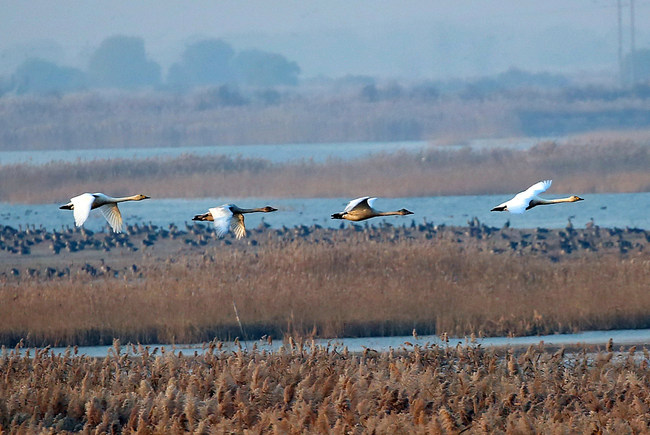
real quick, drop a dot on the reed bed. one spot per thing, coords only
(425, 389)
(580, 167)
(303, 115)
(331, 289)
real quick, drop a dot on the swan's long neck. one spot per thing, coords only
(125, 198)
(539, 201)
(388, 213)
(252, 210)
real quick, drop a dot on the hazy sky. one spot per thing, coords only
(389, 38)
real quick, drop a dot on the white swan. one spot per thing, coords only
(82, 204)
(361, 208)
(528, 199)
(223, 218)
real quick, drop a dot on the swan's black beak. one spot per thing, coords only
(579, 199)
(405, 211)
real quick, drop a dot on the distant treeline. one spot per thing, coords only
(121, 62)
(224, 114)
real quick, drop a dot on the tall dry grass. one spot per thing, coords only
(583, 167)
(153, 119)
(95, 120)
(332, 289)
(429, 389)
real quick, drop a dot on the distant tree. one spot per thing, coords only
(268, 97)
(42, 76)
(206, 62)
(369, 93)
(512, 79)
(636, 67)
(5, 85)
(220, 96)
(260, 68)
(517, 78)
(121, 62)
(425, 92)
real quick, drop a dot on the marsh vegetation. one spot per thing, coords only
(179, 286)
(307, 389)
(587, 165)
(223, 115)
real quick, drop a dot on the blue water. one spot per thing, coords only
(318, 152)
(384, 344)
(275, 153)
(606, 210)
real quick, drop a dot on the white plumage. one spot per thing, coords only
(82, 204)
(529, 198)
(230, 217)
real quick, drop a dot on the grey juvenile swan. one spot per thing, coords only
(361, 209)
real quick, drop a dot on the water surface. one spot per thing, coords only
(318, 152)
(606, 210)
(384, 344)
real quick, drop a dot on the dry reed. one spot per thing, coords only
(584, 167)
(428, 389)
(354, 287)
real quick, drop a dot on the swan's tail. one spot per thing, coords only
(337, 215)
(68, 206)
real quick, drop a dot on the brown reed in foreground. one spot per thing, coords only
(335, 288)
(428, 389)
(582, 167)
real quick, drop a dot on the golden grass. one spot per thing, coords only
(585, 167)
(160, 119)
(335, 288)
(429, 389)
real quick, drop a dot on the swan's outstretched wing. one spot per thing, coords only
(222, 217)
(521, 201)
(237, 226)
(113, 216)
(536, 189)
(363, 202)
(81, 207)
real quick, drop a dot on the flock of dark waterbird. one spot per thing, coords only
(552, 243)
(79, 244)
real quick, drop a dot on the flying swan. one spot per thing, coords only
(528, 199)
(361, 208)
(82, 204)
(229, 216)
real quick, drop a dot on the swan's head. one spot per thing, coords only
(404, 212)
(140, 197)
(575, 198)
(269, 209)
